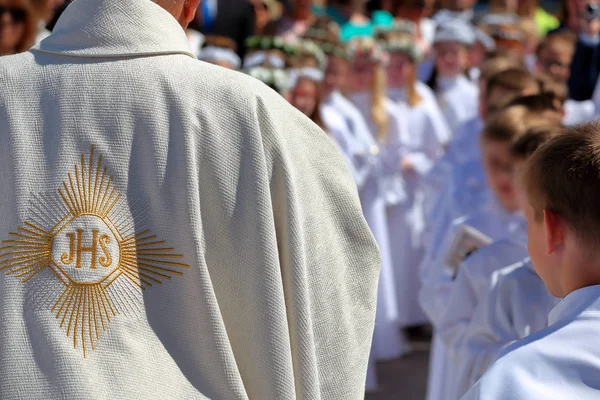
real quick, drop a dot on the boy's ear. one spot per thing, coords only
(555, 231)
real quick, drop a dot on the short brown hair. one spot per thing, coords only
(525, 145)
(563, 176)
(509, 124)
(560, 41)
(495, 65)
(558, 90)
(514, 79)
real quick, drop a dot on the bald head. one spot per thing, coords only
(183, 11)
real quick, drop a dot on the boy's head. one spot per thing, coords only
(514, 80)
(505, 86)
(555, 89)
(544, 105)
(522, 149)
(499, 133)
(554, 56)
(490, 68)
(562, 182)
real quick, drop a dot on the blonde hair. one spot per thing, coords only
(379, 112)
(414, 98)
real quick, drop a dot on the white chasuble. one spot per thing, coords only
(171, 229)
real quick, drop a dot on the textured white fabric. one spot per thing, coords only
(428, 134)
(516, 305)
(436, 285)
(458, 98)
(472, 281)
(559, 362)
(492, 220)
(388, 343)
(246, 198)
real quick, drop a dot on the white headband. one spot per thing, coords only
(213, 54)
(258, 57)
(314, 74)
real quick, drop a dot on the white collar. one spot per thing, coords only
(115, 28)
(575, 303)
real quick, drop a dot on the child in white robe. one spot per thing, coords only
(464, 149)
(470, 289)
(562, 183)
(458, 174)
(515, 306)
(362, 148)
(428, 134)
(496, 220)
(367, 93)
(457, 95)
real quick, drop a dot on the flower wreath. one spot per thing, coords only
(277, 78)
(369, 47)
(310, 48)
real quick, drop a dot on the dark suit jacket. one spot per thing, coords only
(235, 19)
(584, 71)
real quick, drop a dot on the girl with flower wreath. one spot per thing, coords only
(307, 78)
(344, 122)
(428, 135)
(387, 124)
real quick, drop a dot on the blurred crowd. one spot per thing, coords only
(434, 106)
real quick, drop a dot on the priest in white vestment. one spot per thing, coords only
(171, 229)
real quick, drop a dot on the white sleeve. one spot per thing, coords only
(439, 125)
(437, 283)
(488, 334)
(461, 306)
(421, 162)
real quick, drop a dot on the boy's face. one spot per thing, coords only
(555, 63)
(451, 58)
(498, 166)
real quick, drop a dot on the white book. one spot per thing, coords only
(466, 241)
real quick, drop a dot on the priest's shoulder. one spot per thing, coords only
(11, 67)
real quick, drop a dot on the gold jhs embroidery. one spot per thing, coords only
(101, 267)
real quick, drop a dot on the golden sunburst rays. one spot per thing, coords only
(146, 261)
(89, 190)
(26, 253)
(84, 310)
(86, 235)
